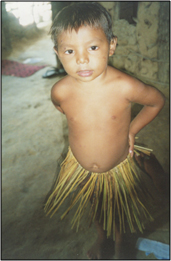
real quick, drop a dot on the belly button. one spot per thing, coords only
(95, 166)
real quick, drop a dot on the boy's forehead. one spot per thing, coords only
(92, 33)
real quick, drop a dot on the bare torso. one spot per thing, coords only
(98, 121)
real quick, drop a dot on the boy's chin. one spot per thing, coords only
(84, 79)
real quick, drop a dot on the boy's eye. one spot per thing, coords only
(93, 48)
(69, 51)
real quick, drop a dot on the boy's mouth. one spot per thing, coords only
(85, 73)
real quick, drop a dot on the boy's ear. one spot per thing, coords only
(113, 44)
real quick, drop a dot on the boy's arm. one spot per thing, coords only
(55, 97)
(153, 101)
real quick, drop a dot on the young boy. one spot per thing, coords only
(96, 100)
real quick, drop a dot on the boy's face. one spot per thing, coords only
(84, 54)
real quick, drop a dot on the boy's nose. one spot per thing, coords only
(82, 58)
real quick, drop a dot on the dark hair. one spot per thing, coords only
(82, 13)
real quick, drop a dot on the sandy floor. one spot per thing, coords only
(34, 135)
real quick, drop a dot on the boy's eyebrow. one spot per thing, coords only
(88, 42)
(95, 39)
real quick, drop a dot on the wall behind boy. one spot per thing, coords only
(143, 46)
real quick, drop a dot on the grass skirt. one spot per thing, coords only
(120, 195)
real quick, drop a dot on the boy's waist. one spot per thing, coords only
(99, 159)
(137, 150)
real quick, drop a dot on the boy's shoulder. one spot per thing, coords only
(62, 83)
(123, 80)
(120, 76)
(61, 87)
(60, 90)
(125, 84)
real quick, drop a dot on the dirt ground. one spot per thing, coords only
(34, 135)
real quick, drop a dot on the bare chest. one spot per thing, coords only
(95, 108)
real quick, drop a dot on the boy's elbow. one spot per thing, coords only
(160, 103)
(159, 106)
(163, 101)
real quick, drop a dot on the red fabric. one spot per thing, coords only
(19, 69)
